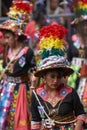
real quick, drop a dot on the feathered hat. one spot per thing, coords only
(20, 10)
(19, 15)
(52, 50)
(14, 26)
(80, 10)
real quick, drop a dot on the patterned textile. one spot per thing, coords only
(10, 103)
(5, 102)
(12, 94)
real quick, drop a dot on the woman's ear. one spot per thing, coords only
(16, 37)
(44, 79)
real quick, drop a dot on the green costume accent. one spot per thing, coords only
(51, 52)
(72, 78)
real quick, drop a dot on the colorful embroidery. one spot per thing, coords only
(22, 61)
(35, 125)
(5, 102)
(23, 122)
(63, 92)
(43, 93)
(41, 111)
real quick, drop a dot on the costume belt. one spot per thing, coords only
(68, 118)
(20, 79)
(59, 122)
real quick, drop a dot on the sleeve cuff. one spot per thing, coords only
(82, 118)
(35, 125)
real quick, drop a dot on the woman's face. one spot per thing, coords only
(10, 39)
(2, 39)
(52, 79)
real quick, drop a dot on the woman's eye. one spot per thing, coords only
(52, 76)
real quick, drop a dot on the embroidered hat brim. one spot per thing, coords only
(54, 62)
(14, 26)
(66, 71)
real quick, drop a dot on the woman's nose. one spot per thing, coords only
(6, 40)
(55, 79)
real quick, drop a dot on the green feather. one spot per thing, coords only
(51, 52)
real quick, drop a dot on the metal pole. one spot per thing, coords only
(0, 8)
(48, 6)
(60, 15)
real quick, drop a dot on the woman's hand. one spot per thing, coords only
(79, 125)
(2, 75)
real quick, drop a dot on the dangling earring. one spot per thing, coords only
(44, 81)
